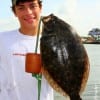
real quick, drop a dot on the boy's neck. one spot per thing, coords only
(30, 32)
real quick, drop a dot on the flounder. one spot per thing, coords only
(64, 57)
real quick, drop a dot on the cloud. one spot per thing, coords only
(83, 15)
(8, 24)
(71, 6)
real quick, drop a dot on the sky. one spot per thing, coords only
(82, 15)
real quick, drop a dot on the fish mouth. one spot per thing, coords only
(46, 19)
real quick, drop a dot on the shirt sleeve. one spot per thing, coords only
(5, 90)
(3, 77)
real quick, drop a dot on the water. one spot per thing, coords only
(92, 91)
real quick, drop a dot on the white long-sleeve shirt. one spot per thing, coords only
(15, 83)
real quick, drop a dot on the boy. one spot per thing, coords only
(15, 83)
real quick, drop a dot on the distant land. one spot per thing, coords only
(93, 37)
(89, 40)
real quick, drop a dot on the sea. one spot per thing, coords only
(92, 90)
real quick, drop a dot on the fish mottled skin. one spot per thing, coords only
(65, 60)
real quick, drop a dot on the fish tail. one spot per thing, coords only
(75, 97)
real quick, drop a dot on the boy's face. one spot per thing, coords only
(28, 13)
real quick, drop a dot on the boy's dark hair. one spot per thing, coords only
(16, 2)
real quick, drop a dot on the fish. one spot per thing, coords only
(65, 61)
